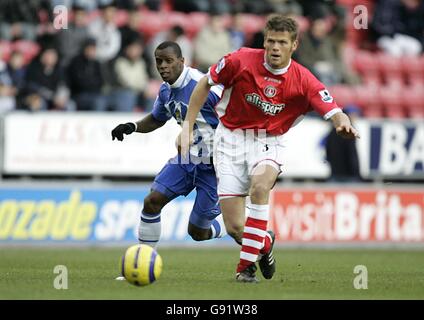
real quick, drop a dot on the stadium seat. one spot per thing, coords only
(413, 64)
(413, 100)
(5, 50)
(121, 18)
(303, 24)
(176, 18)
(28, 48)
(417, 81)
(368, 99)
(227, 20)
(391, 99)
(252, 23)
(366, 62)
(395, 81)
(196, 21)
(372, 80)
(343, 95)
(152, 22)
(388, 65)
(413, 67)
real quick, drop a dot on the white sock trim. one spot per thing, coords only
(255, 231)
(252, 243)
(259, 211)
(248, 256)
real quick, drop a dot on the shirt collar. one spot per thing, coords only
(180, 81)
(276, 71)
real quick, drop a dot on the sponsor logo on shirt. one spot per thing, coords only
(265, 106)
(325, 96)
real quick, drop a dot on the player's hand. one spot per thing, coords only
(347, 131)
(119, 131)
(184, 139)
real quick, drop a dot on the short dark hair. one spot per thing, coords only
(170, 44)
(178, 30)
(279, 22)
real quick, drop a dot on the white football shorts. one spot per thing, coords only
(239, 154)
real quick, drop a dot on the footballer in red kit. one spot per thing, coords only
(257, 96)
(265, 92)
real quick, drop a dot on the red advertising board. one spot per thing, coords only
(348, 215)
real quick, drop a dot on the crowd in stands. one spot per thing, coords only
(104, 59)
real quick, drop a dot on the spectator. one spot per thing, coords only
(188, 6)
(398, 26)
(106, 34)
(45, 82)
(257, 41)
(217, 6)
(128, 5)
(132, 78)
(211, 43)
(19, 18)
(238, 36)
(286, 7)
(318, 53)
(152, 4)
(130, 31)
(220, 6)
(70, 40)
(175, 34)
(7, 91)
(85, 79)
(342, 154)
(256, 7)
(17, 69)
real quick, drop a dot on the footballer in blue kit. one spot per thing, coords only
(180, 177)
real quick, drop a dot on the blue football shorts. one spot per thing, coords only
(177, 179)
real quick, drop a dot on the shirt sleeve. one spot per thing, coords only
(214, 95)
(160, 112)
(320, 98)
(224, 71)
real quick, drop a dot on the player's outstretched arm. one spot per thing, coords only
(147, 124)
(197, 99)
(343, 126)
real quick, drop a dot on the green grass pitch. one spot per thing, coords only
(208, 273)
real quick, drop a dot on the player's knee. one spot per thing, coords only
(153, 203)
(259, 191)
(235, 231)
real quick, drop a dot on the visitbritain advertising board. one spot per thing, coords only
(348, 215)
(81, 144)
(111, 215)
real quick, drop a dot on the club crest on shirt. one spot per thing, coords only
(270, 91)
(265, 106)
(325, 96)
(220, 65)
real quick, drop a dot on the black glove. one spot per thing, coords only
(119, 131)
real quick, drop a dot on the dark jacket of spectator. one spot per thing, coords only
(84, 75)
(42, 80)
(12, 11)
(393, 16)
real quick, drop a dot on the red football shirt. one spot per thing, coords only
(259, 97)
